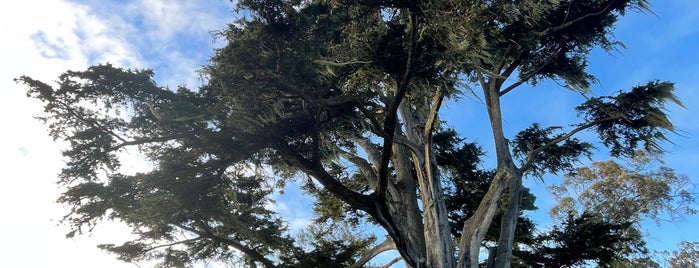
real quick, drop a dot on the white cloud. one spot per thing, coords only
(42, 42)
(42, 39)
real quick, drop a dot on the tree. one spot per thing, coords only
(580, 239)
(686, 256)
(347, 93)
(625, 194)
(631, 194)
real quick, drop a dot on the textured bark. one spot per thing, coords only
(438, 239)
(509, 224)
(401, 199)
(477, 225)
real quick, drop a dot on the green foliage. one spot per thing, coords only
(630, 194)
(625, 120)
(582, 238)
(331, 244)
(623, 194)
(686, 256)
(466, 183)
(561, 156)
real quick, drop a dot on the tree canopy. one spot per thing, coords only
(344, 96)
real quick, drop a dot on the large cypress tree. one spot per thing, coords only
(347, 93)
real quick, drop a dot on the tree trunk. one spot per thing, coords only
(509, 223)
(477, 225)
(403, 206)
(437, 234)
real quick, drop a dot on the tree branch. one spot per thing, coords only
(207, 233)
(143, 141)
(392, 111)
(174, 243)
(569, 23)
(90, 121)
(339, 190)
(530, 157)
(434, 112)
(386, 245)
(369, 148)
(528, 76)
(375, 125)
(402, 140)
(392, 262)
(339, 64)
(364, 166)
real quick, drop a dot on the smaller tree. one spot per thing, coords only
(633, 193)
(626, 194)
(578, 240)
(687, 256)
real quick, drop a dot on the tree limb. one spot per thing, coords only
(393, 261)
(526, 77)
(569, 23)
(339, 64)
(364, 166)
(173, 243)
(354, 199)
(391, 120)
(402, 140)
(369, 148)
(386, 245)
(530, 157)
(434, 112)
(207, 233)
(143, 141)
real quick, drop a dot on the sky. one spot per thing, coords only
(44, 38)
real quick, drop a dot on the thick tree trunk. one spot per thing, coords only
(402, 203)
(477, 226)
(509, 223)
(438, 239)
(437, 234)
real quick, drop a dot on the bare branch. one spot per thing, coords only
(392, 262)
(402, 140)
(339, 190)
(369, 148)
(434, 112)
(364, 166)
(526, 77)
(386, 245)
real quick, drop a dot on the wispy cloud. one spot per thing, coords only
(173, 38)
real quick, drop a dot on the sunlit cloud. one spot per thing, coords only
(42, 39)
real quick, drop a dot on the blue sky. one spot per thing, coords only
(44, 38)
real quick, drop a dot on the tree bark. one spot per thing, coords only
(509, 223)
(437, 234)
(477, 225)
(401, 199)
